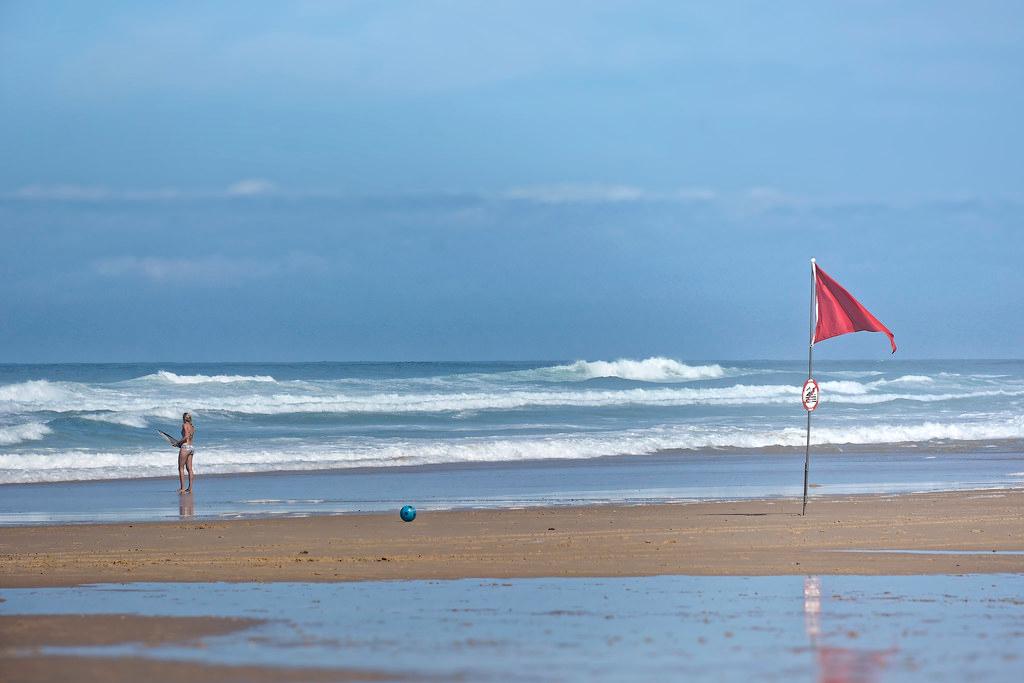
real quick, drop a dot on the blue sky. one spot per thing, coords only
(265, 181)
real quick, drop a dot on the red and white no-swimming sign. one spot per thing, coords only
(810, 394)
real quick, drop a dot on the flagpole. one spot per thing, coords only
(810, 368)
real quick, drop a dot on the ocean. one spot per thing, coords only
(76, 422)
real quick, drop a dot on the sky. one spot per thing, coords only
(520, 180)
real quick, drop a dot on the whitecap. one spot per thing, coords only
(388, 452)
(29, 431)
(905, 379)
(654, 369)
(123, 419)
(848, 387)
(34, 391)
(148, 400)
(172, 378)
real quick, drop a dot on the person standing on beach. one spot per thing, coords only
(185, 452)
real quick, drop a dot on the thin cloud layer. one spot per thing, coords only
(221, 270)
(251, 188)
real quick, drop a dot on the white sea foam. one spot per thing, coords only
(655, 369)
(854, 387)
(921, 398)
(383, 452)
(845, 387)
(124, 419)
(905, 379)
(507, 400)
(1011, 428)
(277, 399)
(33, 391)
(279, 501)
(29, 431)
(172, 378)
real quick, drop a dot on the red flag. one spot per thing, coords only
(839, 313)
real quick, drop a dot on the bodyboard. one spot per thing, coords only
(170, 439)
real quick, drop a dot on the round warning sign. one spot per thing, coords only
(810, 394)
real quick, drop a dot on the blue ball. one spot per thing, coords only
(408, 513)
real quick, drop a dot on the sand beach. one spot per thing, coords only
(954, 532)
(320, 597)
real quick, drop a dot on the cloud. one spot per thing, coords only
(90, 193)
(214, 268)
(61, 192)
(251, 187)
(743, 204)
(208, 269)
(573, 193)
(561, 193)
(584, 193)
(694, 194)
(770, 197)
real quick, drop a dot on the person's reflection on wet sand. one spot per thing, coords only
(838, 664)
(186, 505)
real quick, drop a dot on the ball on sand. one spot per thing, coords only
(408, 513)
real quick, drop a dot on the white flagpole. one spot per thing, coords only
(810, 368)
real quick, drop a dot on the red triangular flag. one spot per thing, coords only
(839, 313)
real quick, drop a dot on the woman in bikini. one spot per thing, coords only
(185, 452)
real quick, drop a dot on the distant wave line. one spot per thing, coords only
(42, 396)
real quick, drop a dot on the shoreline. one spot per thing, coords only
(630, 480)
(546, 506)
(750, 537)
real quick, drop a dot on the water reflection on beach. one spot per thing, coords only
(838, 664)
(186, 505)
(832, 629)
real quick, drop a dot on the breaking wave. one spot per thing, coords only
(655, 369)
(172, 378)
(30, 431)
(121, 405)
(123, 419)
(32, 391)
(42, 466)
(905, 379)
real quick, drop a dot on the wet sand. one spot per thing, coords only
(720, 538)
(21, 636)
(90, 669)
(87, 630)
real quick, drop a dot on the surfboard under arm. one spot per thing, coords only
(170, 439)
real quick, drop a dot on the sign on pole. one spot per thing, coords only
(810, 394)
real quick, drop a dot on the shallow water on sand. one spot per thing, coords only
(834, 628)
(623, 480)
